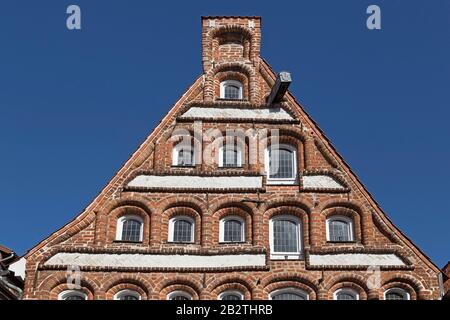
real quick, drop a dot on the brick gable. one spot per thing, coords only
(150, 187)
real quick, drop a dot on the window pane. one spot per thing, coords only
(394, 296)
(232, 92)
(285, 237)
(131, 230)
(230, 296)
(182, 231)
(185, 157)
(74, 297)
(339, 230)
(179, 297)
(288, 296)
(232, 231)
(281, 164)
(345, 296)
(230, 157)
(128, 297)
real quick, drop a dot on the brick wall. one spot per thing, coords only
(446, 271)
(231, 51)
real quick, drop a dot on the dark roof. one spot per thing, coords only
(6, 294)
(5, 250)
(5, 253)
(7, 257)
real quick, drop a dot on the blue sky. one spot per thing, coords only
(75, 104)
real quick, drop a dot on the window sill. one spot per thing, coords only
(232, 100)
(181, 243)
(276, 182)
(229, 243)
(289, 256)
(234, 167)
(128, 241)
(182, 166)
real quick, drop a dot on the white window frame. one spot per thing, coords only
(231, 292)
(179, 293)
(235, 83)
(239, 156)
(222, 228)
(348, 220)
(66, 293)
(172, 228)
(267, 165)
(120, 223)
(346, 291)
(401, 291)
(127, 292)
(175, 154)
(289, 290)
(286, 255)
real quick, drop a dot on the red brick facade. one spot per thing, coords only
(231, 51)
(446, 272)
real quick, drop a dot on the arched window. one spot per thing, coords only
(179, 295)
(288, 294)
(232, 229)
(396, 294)
(72, 295)
(339, 229)
(281, 164)
(183, 155)
(127, 295)
(181, 229)
(346, 294)
(230, 156)
(130, 228)
(231, 295)
(231, 90)
(285, 237)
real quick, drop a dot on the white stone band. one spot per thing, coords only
(236, 113)
(321, 182)
(355, 259)
(156, 260)
(197, 182)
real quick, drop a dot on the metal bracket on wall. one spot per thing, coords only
(279, 88)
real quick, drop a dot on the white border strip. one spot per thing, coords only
(237, 113)
(197, 182)
(156, 260)
(355, 259)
